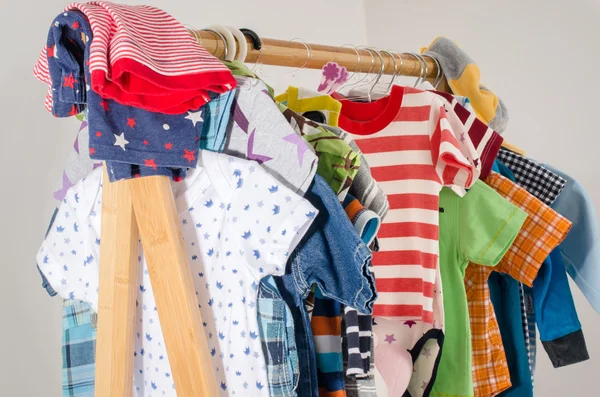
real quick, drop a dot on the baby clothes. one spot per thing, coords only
(278, 339)
(334, 258)
(366, 222)
(131, 71)
(121, 134)
(338, 162)
(554, 312)
(463, 74)
(364, 187)
(542, 231)
(413, 151)
(260, 132)
(407, 141)
(238, 223)
(312, 105)
(557, 320)
(480, 227)
(539, 181)
(326, 322)
(581, 248)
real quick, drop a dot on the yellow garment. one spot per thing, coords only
(301, 100)
(463, 76)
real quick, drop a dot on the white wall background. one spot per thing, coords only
(540, 57)
(522, 50)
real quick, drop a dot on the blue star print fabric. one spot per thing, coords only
(154, 143)
(239, 225)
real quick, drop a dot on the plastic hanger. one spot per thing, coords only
(225, 46)
(360, 92)
(254, 38)
(242, 44)
(308, 57)
(357, 83)
(380, 94)
(229, 41)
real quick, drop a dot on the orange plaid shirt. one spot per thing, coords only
(543, 230)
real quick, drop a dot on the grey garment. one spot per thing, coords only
(453, 61)
(364, 187)
(258, 131)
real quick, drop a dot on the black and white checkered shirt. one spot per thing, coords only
(537, 180)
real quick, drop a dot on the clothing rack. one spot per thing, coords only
(145, 209)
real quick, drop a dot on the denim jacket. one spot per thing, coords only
(332, 256)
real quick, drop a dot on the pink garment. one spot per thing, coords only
(407, 352)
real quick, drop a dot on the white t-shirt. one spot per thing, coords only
(239, 224)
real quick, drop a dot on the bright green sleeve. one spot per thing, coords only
(488, 225)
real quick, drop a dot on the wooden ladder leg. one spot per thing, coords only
(116, 292)
(173, 288)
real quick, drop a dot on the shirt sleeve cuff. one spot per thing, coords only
(567, 350)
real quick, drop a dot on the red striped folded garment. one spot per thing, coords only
(141, 56)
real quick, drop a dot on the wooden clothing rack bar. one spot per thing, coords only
(145, 209)
(299, 54)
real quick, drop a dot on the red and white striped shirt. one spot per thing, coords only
(412, 151)
(142, 56)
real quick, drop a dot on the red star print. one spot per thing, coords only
(168, 146)
(51, 51)
(150, 163)
(92, 151)
(75, 25)
(410, 323)
(98, 134)
(73, 111)
(131, 122)
(145, 141)
(189, 155)
(69, 81)
(137, 175)
(177, 178)
(104, 104)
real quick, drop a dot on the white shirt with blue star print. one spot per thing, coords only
(239, 224)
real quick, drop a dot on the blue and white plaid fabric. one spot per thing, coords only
(79, 349)
(278, 340)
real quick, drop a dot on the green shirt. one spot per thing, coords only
(338, 162)
(478, 228)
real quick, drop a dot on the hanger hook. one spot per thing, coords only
(425, 66)
(381, 71)
(221, 37)
(438, 76)
(420, 65)
(401, 63)
(372, 63)
(192, 30)
(355, 68)
(395, 69)
(308, 53)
